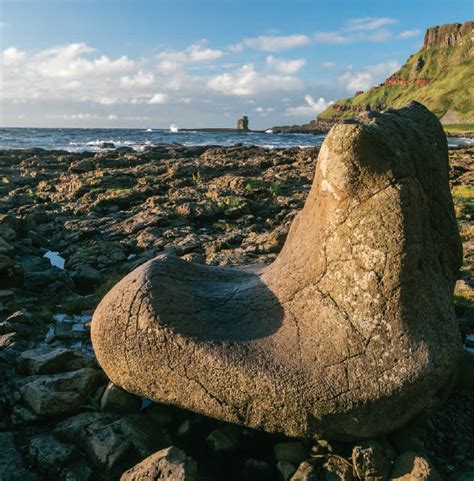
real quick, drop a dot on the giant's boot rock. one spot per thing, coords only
(348, 334)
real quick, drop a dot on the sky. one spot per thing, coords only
(200, 63)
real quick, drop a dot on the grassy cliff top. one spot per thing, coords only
(438, 76)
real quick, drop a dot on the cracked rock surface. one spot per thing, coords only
(348, 334)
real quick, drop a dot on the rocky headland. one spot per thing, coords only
(438, 76)
(73, 224)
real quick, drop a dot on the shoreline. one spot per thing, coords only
(110, 146)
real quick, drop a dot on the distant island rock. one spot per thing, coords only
(311, 128)
(243, 124)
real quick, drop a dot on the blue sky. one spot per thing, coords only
(140, 63)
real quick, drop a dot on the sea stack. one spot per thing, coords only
(350, 333)
(243, 124)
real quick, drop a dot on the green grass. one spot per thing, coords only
(463, 194)
(459, 129)
(449, 71)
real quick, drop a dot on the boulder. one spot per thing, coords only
(48, 455)
(170, 464)
(86, 278)
(11, 462)
(306, 472)
(370, 461)
(115, 399)
(50, 395)
(412, 466)
(47, 360)
(350, 333)
(112, 442)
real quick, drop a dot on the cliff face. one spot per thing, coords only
(450, 35)
(439, 76)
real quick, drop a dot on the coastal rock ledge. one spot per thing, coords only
(350, 332)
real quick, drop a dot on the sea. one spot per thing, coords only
(79, 140)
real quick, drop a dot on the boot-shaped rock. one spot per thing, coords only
(348, 334)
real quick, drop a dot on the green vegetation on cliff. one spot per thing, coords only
(438, 76)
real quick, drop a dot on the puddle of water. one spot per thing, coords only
(145, 403)
(55, 259)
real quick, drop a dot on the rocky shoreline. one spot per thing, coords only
(106, 213)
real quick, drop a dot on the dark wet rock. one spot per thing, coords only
(66, 331)
(50, 395)
(257, 470)
(6, 296)
(6, 249)
(410, 466)
(285, 469)
(21, 415)
(77, 471)
(22, 330)
(23, 317)
(124, 150)
(86, 278)
(8, 340)
(224, 439)
(115, 399)
(294, 452)
(408, 438)
(11, 274)
(306, 471)
(107, 145)
(336, 468)
(48, 455)
(12, 467)
(109, 441)
(465, 376)
(82, 166)
(370, 461)
(47, 360)
(170, 464)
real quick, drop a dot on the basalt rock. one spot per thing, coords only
(349, 333)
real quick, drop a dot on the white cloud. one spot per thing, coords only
(67, 61)
(369, 23)
(367, 77)
(197, 52)
(12, 56)
(408, 34)
(269, 43)
(141, 79)
(285, 66)
(263, 111)
(247, 81)
(80, 116)
(330, 38)
(159, 98)
(87, 116)
(108, 100)
(310, 108)
(328, 65)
